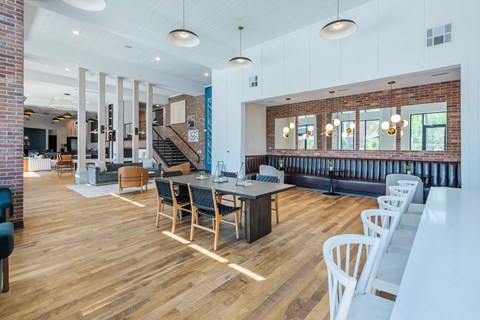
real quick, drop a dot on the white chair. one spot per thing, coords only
(415, 208)
(392, 180)
(388, 269)
(402, 239)
(346, 287)
(408, 220)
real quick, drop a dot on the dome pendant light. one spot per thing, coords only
(339, 28)
(240, 62)
(183, 37)
(88, 5)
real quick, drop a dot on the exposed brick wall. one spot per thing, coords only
(11, 102)
(194, 106)
(438, 92)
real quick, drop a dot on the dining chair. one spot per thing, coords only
(388, 268)
(272, 179)
(393, 178)
(166, 195)
(225, 196)
(408, 220)
(345, 255)
(415, 208)
(168, 174)
(205, 203)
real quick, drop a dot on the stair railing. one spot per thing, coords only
(162, 148)
(186, 143)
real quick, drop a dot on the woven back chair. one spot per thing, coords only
(204, 203)
(166, 196)
(223, 196)
(271, 179)
(176, 173)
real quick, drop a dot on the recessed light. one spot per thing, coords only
(75, 32)
(67, 69)
(157, 105)
(88, 102)
(157, 58)
(128, 46)
(206, 74)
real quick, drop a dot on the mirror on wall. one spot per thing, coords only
(372, 135)
(341, 130)
(285, 129)
(427, 127)
(307, 132)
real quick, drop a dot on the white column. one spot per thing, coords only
(149, 120)
(101, 116)
(118, 111)
(81, 176)
(135, 116)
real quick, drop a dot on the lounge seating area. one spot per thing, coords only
(104, 173)
(364, 176)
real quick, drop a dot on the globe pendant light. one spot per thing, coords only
(339, 28)
(88, 5)
(240, 62)
(183, 37)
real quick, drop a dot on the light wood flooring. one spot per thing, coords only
(103, 258)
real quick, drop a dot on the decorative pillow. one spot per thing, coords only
(101, 165)
(147, 163)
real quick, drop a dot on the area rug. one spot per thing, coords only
(91, 191)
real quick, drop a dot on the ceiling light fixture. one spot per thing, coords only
(390, 126)
(88, 5)
(339, 28)
(240, 61)
(28, 112)
(335, 122)
(75, 32)
(183, 37)
(67, 115)
(157, 58)
(206, 74)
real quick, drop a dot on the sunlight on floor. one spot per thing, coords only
(31, 175)
(216, 257)
(128, 200)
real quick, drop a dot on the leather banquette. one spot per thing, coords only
(357, 175)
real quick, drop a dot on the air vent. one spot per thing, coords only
(439, 35)
(253, 81)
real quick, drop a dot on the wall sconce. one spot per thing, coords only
(26, 138)
(136, 131)
(102, 129)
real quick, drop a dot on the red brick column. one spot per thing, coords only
(11, 102)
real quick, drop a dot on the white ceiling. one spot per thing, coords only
(51, 47)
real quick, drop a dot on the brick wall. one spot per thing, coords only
(11, 102)
(438, 92)
(194, 106)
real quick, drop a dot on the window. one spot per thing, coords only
(428, 131)
(369, 135)
(348, 142)
(308, 140)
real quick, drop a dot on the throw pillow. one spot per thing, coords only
(101, 165)
(147, 163)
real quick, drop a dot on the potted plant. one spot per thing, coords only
(330, 165)
(280, 163)
(408, 168)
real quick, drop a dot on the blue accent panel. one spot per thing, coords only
(208, 128)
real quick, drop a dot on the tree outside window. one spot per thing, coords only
(428, 131)
(369, 134)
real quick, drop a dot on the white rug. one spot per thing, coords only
(91, 191)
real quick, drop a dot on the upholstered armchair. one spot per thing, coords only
(132, 176)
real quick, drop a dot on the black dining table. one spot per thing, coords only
(257, 197)
(332, 174)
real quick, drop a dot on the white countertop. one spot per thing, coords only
(442, 277)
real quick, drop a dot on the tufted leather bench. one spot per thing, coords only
(359, 175)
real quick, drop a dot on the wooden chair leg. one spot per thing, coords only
(160, 205)
(174, 219)
(217, 233)
(5, 280)
(194, 220)
(236, 223)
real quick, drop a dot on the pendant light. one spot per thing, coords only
(390, 126)
(339, 28)
(335, 122)
(240, 61)
(183, 37)
(88, 5)
(291, 125)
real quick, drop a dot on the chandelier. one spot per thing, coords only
(390, 126)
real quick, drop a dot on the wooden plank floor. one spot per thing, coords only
(103, 258)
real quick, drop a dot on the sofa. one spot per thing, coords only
(97, 176)
(364, 176)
